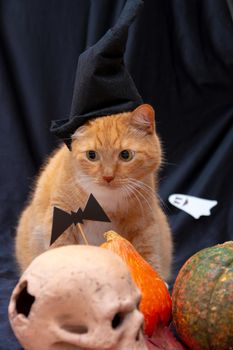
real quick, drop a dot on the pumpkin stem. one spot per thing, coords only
(110, 235)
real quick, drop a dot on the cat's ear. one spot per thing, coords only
(143, 118)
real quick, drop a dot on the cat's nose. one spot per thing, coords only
(108, 178)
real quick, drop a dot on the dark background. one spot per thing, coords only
(180, 54)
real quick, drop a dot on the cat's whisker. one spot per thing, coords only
(85, 176)
(67, 138)
(141, 186)
(142, 183)
(89, 179)
(150, 192)
(126, 195)
(144, 187)
(163, 204)
(164, 162)
(145, 199)
(136, 196)
(147, 194)
(131, 191)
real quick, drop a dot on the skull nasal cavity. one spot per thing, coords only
(117, 320)
(24, 302)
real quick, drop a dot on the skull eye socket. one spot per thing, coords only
(117, 320)
(24, 301)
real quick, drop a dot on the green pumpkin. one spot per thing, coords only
(203, 299)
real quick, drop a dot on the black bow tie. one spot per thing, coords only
(62, 220)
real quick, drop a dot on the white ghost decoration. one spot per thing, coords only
(194, 206)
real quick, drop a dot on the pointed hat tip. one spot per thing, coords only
(129, 12)
(103, 86)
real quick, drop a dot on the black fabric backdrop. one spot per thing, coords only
(180, 53)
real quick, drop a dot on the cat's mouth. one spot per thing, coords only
(111, 185)
(115, 183)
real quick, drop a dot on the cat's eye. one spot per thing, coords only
(126, 155)
(92, 155)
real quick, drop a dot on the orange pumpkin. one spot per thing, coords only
(156, 301)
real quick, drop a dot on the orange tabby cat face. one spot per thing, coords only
(115, 151)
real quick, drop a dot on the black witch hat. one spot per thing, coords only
(103, 86)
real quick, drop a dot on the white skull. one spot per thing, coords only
(76, 298)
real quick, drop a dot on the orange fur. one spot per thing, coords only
(129, 199)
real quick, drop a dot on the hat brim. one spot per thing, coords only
(65, 128)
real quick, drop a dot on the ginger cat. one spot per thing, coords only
(115, 158)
